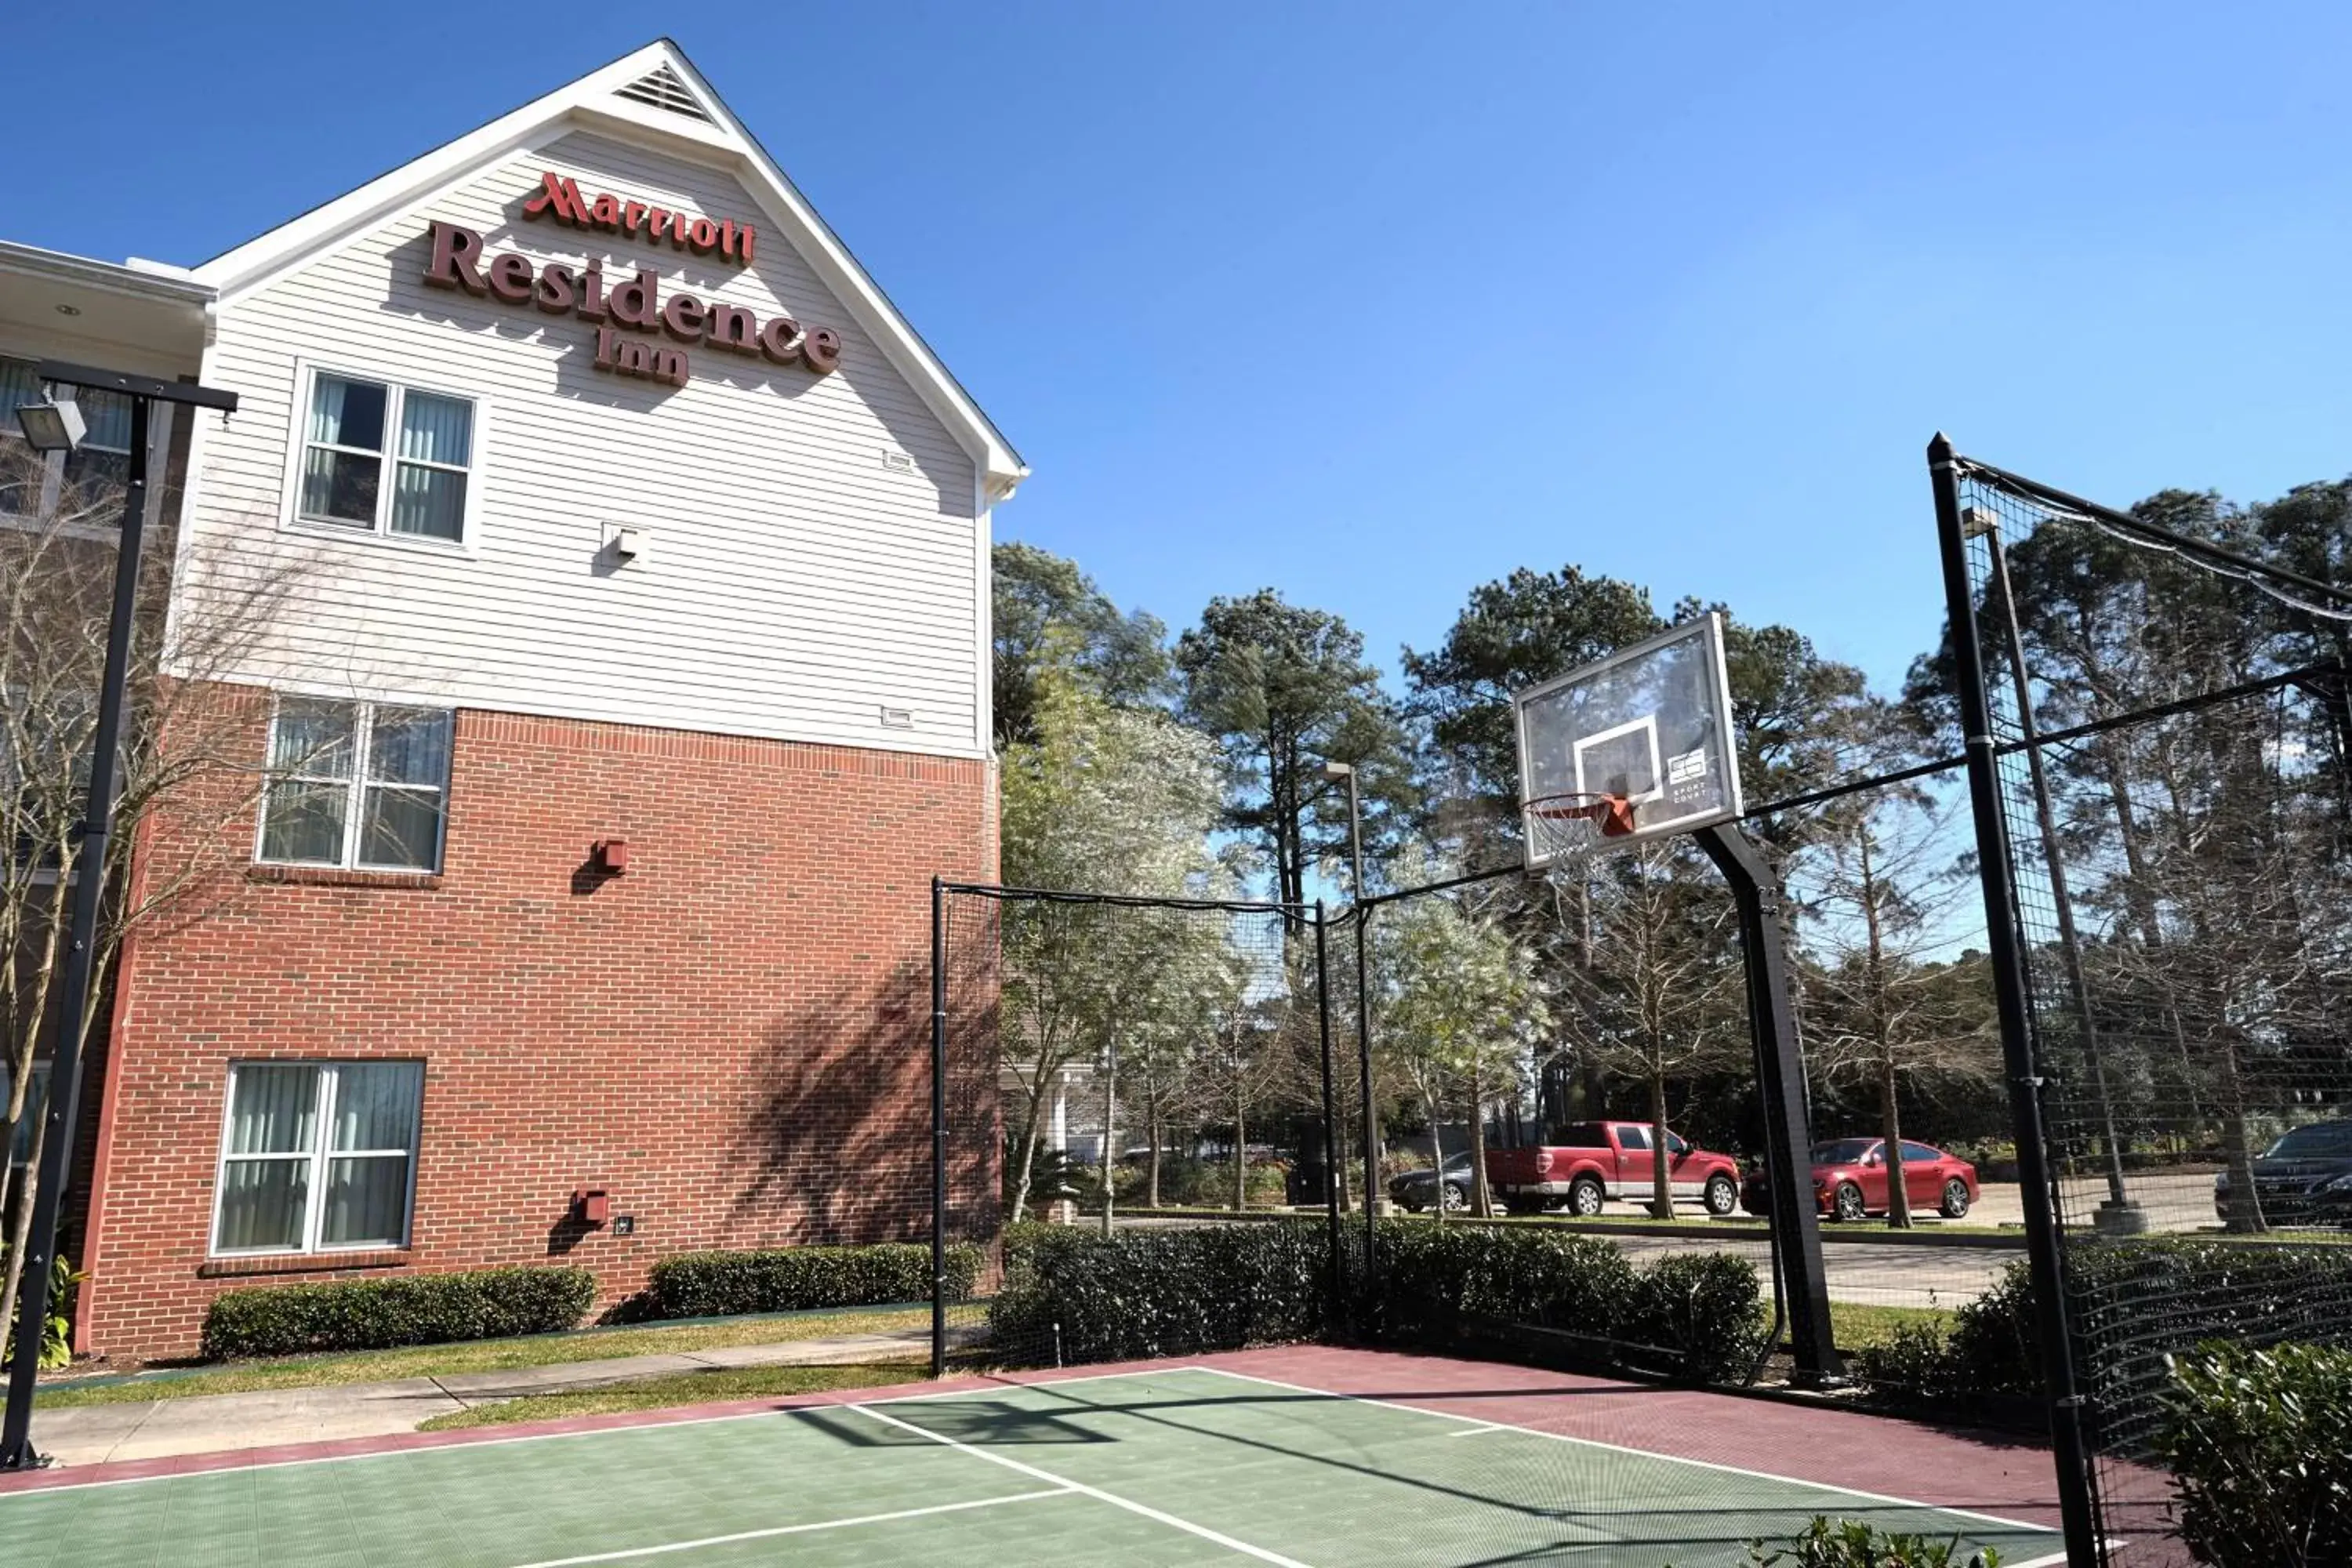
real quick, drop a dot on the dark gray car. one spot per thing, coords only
(2305, 1178)
(1419, 1190)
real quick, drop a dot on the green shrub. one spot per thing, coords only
(1705, 1307)
(1857, 1544)
(378, 1314)
(2138, 1302)
(1438, 1280)
(1075, 1295)
(1186, 1183)
(2260, 1442)
(57, 1327)
(789, 1279)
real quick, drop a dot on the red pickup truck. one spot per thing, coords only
(1596, 1161)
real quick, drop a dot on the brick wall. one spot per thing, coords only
(731, 1038)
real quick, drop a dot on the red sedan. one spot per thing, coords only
(1850, 1179)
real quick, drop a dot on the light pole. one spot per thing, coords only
(56, 425)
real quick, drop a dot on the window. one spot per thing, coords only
(1631, 1137)
(316, 1156)
(20, 1148)
(354, 427)
(356, 784)
(1918, 1153)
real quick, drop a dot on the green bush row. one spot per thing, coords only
(2260, 1442)
(1074, 1295)
(379, 1314)
(2138, 1304)
(789, 1278)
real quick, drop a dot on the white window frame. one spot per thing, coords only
(319, 1155)
(355, 788)
(396, 387)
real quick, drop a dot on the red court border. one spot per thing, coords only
(1984, 1472)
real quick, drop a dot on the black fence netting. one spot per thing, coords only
(2172, 739)
(1118, 1065)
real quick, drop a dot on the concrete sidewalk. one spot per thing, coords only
(95, 1434)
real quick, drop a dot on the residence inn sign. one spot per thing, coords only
(635, 304)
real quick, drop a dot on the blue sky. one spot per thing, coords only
(1372, 303)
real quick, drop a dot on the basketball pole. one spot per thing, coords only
(1780, 1081)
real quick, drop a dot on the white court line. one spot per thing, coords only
(6, 1496)
(1641, 1453)
(1187, 1526)
(1481, 1430)
(796, 1530)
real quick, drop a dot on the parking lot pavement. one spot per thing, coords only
(1876, 1274)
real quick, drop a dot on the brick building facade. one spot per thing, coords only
(584, 829)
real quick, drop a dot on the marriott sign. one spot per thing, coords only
(633, 304)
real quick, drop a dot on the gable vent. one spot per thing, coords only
(662, 89)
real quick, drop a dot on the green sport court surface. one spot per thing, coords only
(1186, 1463)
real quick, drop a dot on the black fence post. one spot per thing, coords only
(1371, 1132)
(939, 1128)
(2005, 946)
(1780, 1082)
(1331, 1110)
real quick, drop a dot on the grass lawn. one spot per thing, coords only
(493, 1355)
(1854, 1326)
(682, 1388)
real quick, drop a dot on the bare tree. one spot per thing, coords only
(1656, 998)
(191, 762)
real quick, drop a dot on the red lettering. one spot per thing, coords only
(654, 218)
(559, 195)
(731, 327)
(744, 237)
(510, 278)
(629, 221)
(726, 239)
(822, 350)
(606, 213)
(637, 302)
(779, 340)
(592, 299)
(557, 288)
(682, 317)
(456, 255)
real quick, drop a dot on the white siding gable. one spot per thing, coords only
(815, 547)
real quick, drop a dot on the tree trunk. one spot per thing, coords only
(1437, 1153)
(1890, 1122)
(1152, 1131)
(1109, 1133)
(1030, 1134)
(1662, 1184)
(1241, 1147)
(1482, 1201)
(21, 1231)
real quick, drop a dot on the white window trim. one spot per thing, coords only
(297, 423)
(314, 1198)
(355, 789)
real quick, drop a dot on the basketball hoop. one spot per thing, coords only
(1567, 827)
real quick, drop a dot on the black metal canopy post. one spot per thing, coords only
(939, 1128)
(1781, 1081)
(1330, 1113)
(2004, 945)
(61, 1113)
(1372, 1130)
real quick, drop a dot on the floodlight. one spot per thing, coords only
(52, 427)
(1338, 770)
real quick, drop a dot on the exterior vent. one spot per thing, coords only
(662, 89)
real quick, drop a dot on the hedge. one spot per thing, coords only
(2260, 1442)
(789, 1278)
(2140, 1303)
(379, 1314)
(1074, 1295)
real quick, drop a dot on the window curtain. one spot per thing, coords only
(431, 501)
(376, 1108)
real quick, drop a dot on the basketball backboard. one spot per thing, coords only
(1650, 724)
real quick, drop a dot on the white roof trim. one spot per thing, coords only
(139, 278)
(594, 101)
